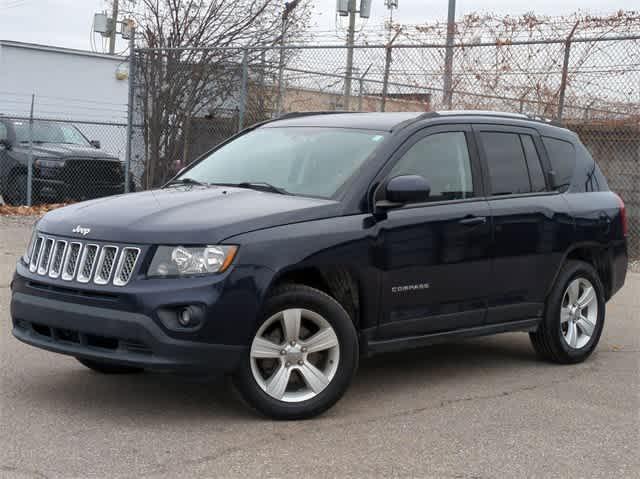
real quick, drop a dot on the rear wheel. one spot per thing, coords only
(574, 316)
(108, 368)
(302, 356)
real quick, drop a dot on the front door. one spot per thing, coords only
(434, 256)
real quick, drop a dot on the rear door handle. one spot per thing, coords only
(473, 221)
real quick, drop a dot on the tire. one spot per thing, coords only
(303, 393)
(108, 368)
(16, 190)
(569, 335)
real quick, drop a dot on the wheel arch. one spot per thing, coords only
(595, 254)
(6, 179)
(339, 282)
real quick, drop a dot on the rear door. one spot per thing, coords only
(530, 222)
(434, 256)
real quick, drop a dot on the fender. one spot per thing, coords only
(591, 246)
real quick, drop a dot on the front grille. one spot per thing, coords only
(80, 171)
(83, 262)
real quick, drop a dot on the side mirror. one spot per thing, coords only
(5, 143)
(401, 190)
(95, 144)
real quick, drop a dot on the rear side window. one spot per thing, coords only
(594, 180)
(508, 171)
(443, 159)
(3, 132)
(562, 156)
(536, 176)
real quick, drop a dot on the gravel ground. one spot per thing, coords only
(481, 408)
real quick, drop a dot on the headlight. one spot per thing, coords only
(32, 242)
(191, 260)
(49, 163)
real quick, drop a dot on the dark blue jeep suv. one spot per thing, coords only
(288, 252)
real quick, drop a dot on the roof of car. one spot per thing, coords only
(365, 121)
(384, 121)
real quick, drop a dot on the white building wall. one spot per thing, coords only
(68, 84)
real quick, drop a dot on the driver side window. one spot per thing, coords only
(443, 159)
(3, 132)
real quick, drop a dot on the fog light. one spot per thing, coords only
(184, 317)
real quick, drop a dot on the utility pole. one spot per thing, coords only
(350, 41)
(130, 104)
(288, 8)
(114, 27)
(448, 57)
(30, 155)
(390, 4)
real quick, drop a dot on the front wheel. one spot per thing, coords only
(302, 357)
(16, 190)
(574, 316)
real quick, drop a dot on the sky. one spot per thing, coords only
(67, 23)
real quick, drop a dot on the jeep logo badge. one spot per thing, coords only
(81, 230)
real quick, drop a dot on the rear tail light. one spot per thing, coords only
(623, 217)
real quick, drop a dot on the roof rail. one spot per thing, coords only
(297, 114)
(500, 114)
(489, 113)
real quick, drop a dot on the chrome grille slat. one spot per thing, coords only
(83, 262)
(56, 258)
(105, 265)
(126, 266)
(87, 263)
(31, 247)
(71, 261)
(45, 257)
(37, 250)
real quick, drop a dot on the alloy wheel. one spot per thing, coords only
(294, 355)
(578, 313)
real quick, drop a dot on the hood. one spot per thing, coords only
(183, 215)
(63, 151)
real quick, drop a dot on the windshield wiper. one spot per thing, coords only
(186, 181)
(259, 185)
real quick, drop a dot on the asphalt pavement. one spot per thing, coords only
(479, 408)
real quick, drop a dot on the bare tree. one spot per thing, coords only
(190, 66)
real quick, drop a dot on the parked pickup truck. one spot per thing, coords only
(287, 253)
(66, 167)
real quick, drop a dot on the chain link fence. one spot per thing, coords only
(45, 160)
(189, 100)
(186, 101)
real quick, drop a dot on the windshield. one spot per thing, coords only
(49, 132)
(307, 161)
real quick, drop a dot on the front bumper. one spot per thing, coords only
(122, 324)
(114, 336)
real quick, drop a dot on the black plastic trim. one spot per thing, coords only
(400, 344)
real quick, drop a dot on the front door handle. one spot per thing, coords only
(473, 221)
